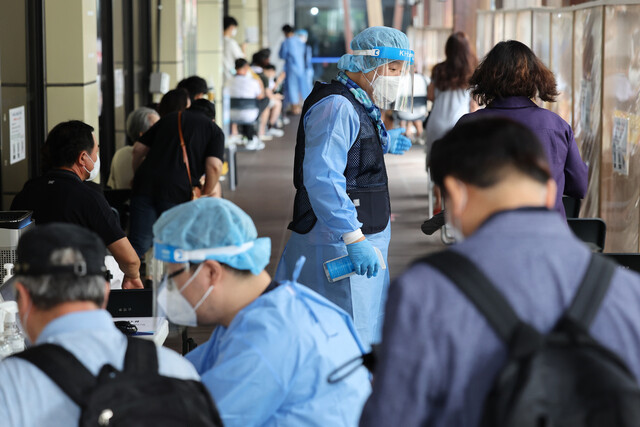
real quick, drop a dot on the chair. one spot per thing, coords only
(626, 260)
(590, 230)
(571, 206)
(246, 128)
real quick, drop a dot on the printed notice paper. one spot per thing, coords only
(17, 135)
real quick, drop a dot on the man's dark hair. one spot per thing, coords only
(287, 29)
(240, 62)
(481, 152)
(229, 21)
(261, 58)
(194, 85)
(205, 107)
(65, 142)
(173, 101)
(512, 69)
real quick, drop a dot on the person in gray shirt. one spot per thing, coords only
(439, 357)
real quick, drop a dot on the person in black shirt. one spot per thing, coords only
(60, 195)
(161, 180)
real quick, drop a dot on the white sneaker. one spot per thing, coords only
(235, 140)
(275, 132)
(286, 120)
(255, 144)
(265, 137)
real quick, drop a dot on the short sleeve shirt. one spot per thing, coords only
(163, 173)
(61, 196)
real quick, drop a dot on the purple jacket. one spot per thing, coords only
(556, 136)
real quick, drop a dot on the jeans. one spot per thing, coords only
(144, 212)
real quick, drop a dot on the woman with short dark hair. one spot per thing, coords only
(507, 81)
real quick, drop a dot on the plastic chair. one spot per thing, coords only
(247, 128)
(626, 260)
(590, 230)
(571, 206)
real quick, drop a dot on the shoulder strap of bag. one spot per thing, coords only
(185, 158)
(141, 356)
(63, 368)
(592, 291)
(479, 290)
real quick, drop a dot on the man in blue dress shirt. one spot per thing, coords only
(439, 356)
(61, 292)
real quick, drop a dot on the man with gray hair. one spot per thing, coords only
(61, 293)
(138, 122)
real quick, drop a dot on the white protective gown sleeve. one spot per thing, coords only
(331, 127)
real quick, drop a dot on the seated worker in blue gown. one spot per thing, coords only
(275, 344)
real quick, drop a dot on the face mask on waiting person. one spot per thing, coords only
(454, 225)
(170, 298)
(93, 173)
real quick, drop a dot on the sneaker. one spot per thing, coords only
(235, 140)
(265, 137)
(275, 132)
(255, 144)
(285, 120)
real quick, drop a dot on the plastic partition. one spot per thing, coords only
(587, 99)
(498, 27)
(484, 34)
(524, 27)
(619, 189)
(562, 62)
(542, 35)
(510, 25)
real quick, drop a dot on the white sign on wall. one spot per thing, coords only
(17, 135)
(620, 145)
(118, 83)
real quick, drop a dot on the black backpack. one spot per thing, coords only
(562, 379)
(138, 395)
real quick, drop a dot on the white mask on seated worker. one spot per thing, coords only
(385, 89)
(177, 308)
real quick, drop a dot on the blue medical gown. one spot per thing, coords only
(331, 127)
(270, 366)
(293, 51)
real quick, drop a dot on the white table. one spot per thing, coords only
(155, 329)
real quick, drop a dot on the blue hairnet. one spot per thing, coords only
(368, 39)
(301, 33)
(208, 223)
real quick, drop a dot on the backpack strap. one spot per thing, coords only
(141, 356)
(63, 368)
(591, 291)
(474, 284)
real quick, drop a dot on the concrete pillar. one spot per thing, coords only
(247, 13)
(209, 47)
(171, 59)
(72, 84)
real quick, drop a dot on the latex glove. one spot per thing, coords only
(364, 258)
(398, 143)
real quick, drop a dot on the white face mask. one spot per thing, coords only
(385, 89)
(234, 32)
(93, 173)
(175, 305)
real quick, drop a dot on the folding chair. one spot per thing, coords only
(571, 206)
(592, 231)
(626, 260)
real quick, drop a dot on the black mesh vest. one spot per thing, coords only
(365, 173)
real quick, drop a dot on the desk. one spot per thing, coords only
(155, 329)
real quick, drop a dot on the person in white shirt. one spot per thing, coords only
(232, 49)
(138, 122)
(246, 86)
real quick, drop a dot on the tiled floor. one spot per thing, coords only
(265, 191)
